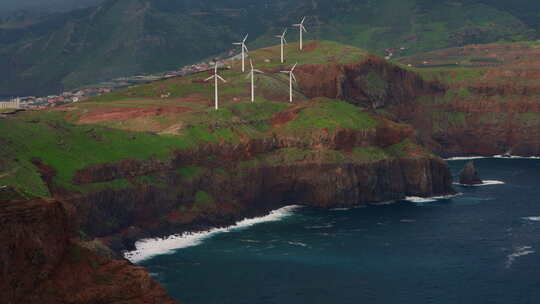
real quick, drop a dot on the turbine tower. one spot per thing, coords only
(252, 75)
(244, 50)
(283, 41)
(216, 77)
(291, 79)
(302, 29)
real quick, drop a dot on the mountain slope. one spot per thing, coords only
(123, 37)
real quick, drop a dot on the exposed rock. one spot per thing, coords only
(42, 262)
(238, 192)
(469, 175)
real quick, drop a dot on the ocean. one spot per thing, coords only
(481, 246)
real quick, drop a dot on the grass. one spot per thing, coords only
(369, 154)
(203, 201)
(190, 172)
(331, 115)
(68, 148)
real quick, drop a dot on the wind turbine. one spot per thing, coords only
(244, 50)
(283, 41)
(291, 79)
(302, 29)
(252, 75)
(216, 77)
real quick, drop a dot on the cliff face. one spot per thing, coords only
(252, 178)
(211, 168)
(482, 116)
(41, 261)
(372, 82)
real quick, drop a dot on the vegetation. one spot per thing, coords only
(330, 115)
(168, 34)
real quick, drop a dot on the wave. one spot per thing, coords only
(466, 157)
(494, 156)
(320, 226)
(516, 157)
(518, 252)
(485, 183)
(148, 248)
(297, 244)
(422, 200)
(532, 218)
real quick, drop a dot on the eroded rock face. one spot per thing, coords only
(122, 216)
(481, 123)
(41, 261)
(372, 82)
(469, 175)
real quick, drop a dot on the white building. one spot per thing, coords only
(12, 104)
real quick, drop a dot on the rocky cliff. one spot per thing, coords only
(43, 261)
(230, 182)
(131, 165)
(490, 103)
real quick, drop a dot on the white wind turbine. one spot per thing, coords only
(216, 77)
(291, 79)
(244, 51)
(302, 29)
(252, 75)
(283, 41)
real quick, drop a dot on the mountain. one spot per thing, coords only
(9, 7)
(125, 37)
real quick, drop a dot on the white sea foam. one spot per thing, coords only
(532, 218)
(518, 252)
(320, 226)
(422, 200)
(485, 183)
(148, 248)
(467, 157)
(297, 244)
(516, 157)
(494, 156)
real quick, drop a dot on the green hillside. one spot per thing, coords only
(125, 37)
(136, 123)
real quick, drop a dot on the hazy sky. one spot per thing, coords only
(10, 5)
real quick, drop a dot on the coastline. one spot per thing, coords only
(151, 247)
(456, 158)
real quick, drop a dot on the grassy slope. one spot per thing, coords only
(63, 140)
(124, 37)
(462, 69)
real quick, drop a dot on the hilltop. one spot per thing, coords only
(125, 37)
(490, 104)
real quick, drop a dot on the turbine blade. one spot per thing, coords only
(284, 40)
(294, 77)
(221, 78)
(251, 63)
(245, 48)
(304, 28)
(285, 72)
(303, 19)
(294, 66)
(209, 78)
(258, 71)
(237, 43)
(278, 36)
(285, 32)
(245, 38)
(297, 25)
(248, 75)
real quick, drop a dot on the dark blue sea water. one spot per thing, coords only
(480, 247)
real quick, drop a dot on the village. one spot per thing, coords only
(43, 102)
